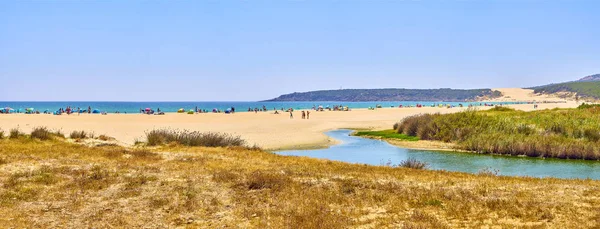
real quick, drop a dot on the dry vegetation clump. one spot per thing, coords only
(105, 138)
(43, 133)
(15, 133)
(193, 138)
(1, 134)
(413, 163)
(567, 133)
(80, 134)
(201, 187)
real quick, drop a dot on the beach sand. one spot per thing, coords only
(268, 130)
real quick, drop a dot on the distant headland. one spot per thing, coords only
(391, 94)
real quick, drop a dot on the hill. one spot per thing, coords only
(590, 78)
(361, 95)
(587, 87)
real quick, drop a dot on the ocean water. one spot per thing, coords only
(134, 107)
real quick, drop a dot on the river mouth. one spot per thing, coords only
(360, 150)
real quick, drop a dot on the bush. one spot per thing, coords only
(1, 134)
(410, 125)
(15, 133)
(78, 134)
(193, 138)
(413, 164)
(41, 133)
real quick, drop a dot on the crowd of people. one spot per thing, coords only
(305, 114)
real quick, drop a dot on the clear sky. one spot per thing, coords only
(254, 50)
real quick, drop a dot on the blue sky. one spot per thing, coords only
(254, 50)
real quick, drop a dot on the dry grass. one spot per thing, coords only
(15, 133)
(193, 138)
(58, 184)
(80, 134)
(103, 137)
(43, 133)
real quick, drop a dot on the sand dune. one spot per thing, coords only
(266, 129)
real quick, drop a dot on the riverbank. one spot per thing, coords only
(113, 186)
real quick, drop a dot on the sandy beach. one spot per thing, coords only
(268, 130)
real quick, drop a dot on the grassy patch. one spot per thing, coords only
(389, 134)
(230, 187)
(559, 133)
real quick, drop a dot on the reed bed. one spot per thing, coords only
(558, 133)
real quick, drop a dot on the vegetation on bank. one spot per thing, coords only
(566, 133)
(386, 134)
(176, 186)
(358, 95)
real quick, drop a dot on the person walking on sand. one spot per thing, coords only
(291, 114)
(307, 114)
(303, 115)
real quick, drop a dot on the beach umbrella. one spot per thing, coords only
(29, 109)
(148, 109)
(95, 111)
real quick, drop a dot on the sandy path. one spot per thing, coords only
(266, 129)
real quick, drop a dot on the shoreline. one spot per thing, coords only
(268, 130)
(265, 129)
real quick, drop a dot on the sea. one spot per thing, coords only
(134, 107)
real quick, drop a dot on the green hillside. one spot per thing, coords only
(584, 89)
(358, 95)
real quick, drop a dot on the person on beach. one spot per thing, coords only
(291, 114)
(303, 115)
(307, 114)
